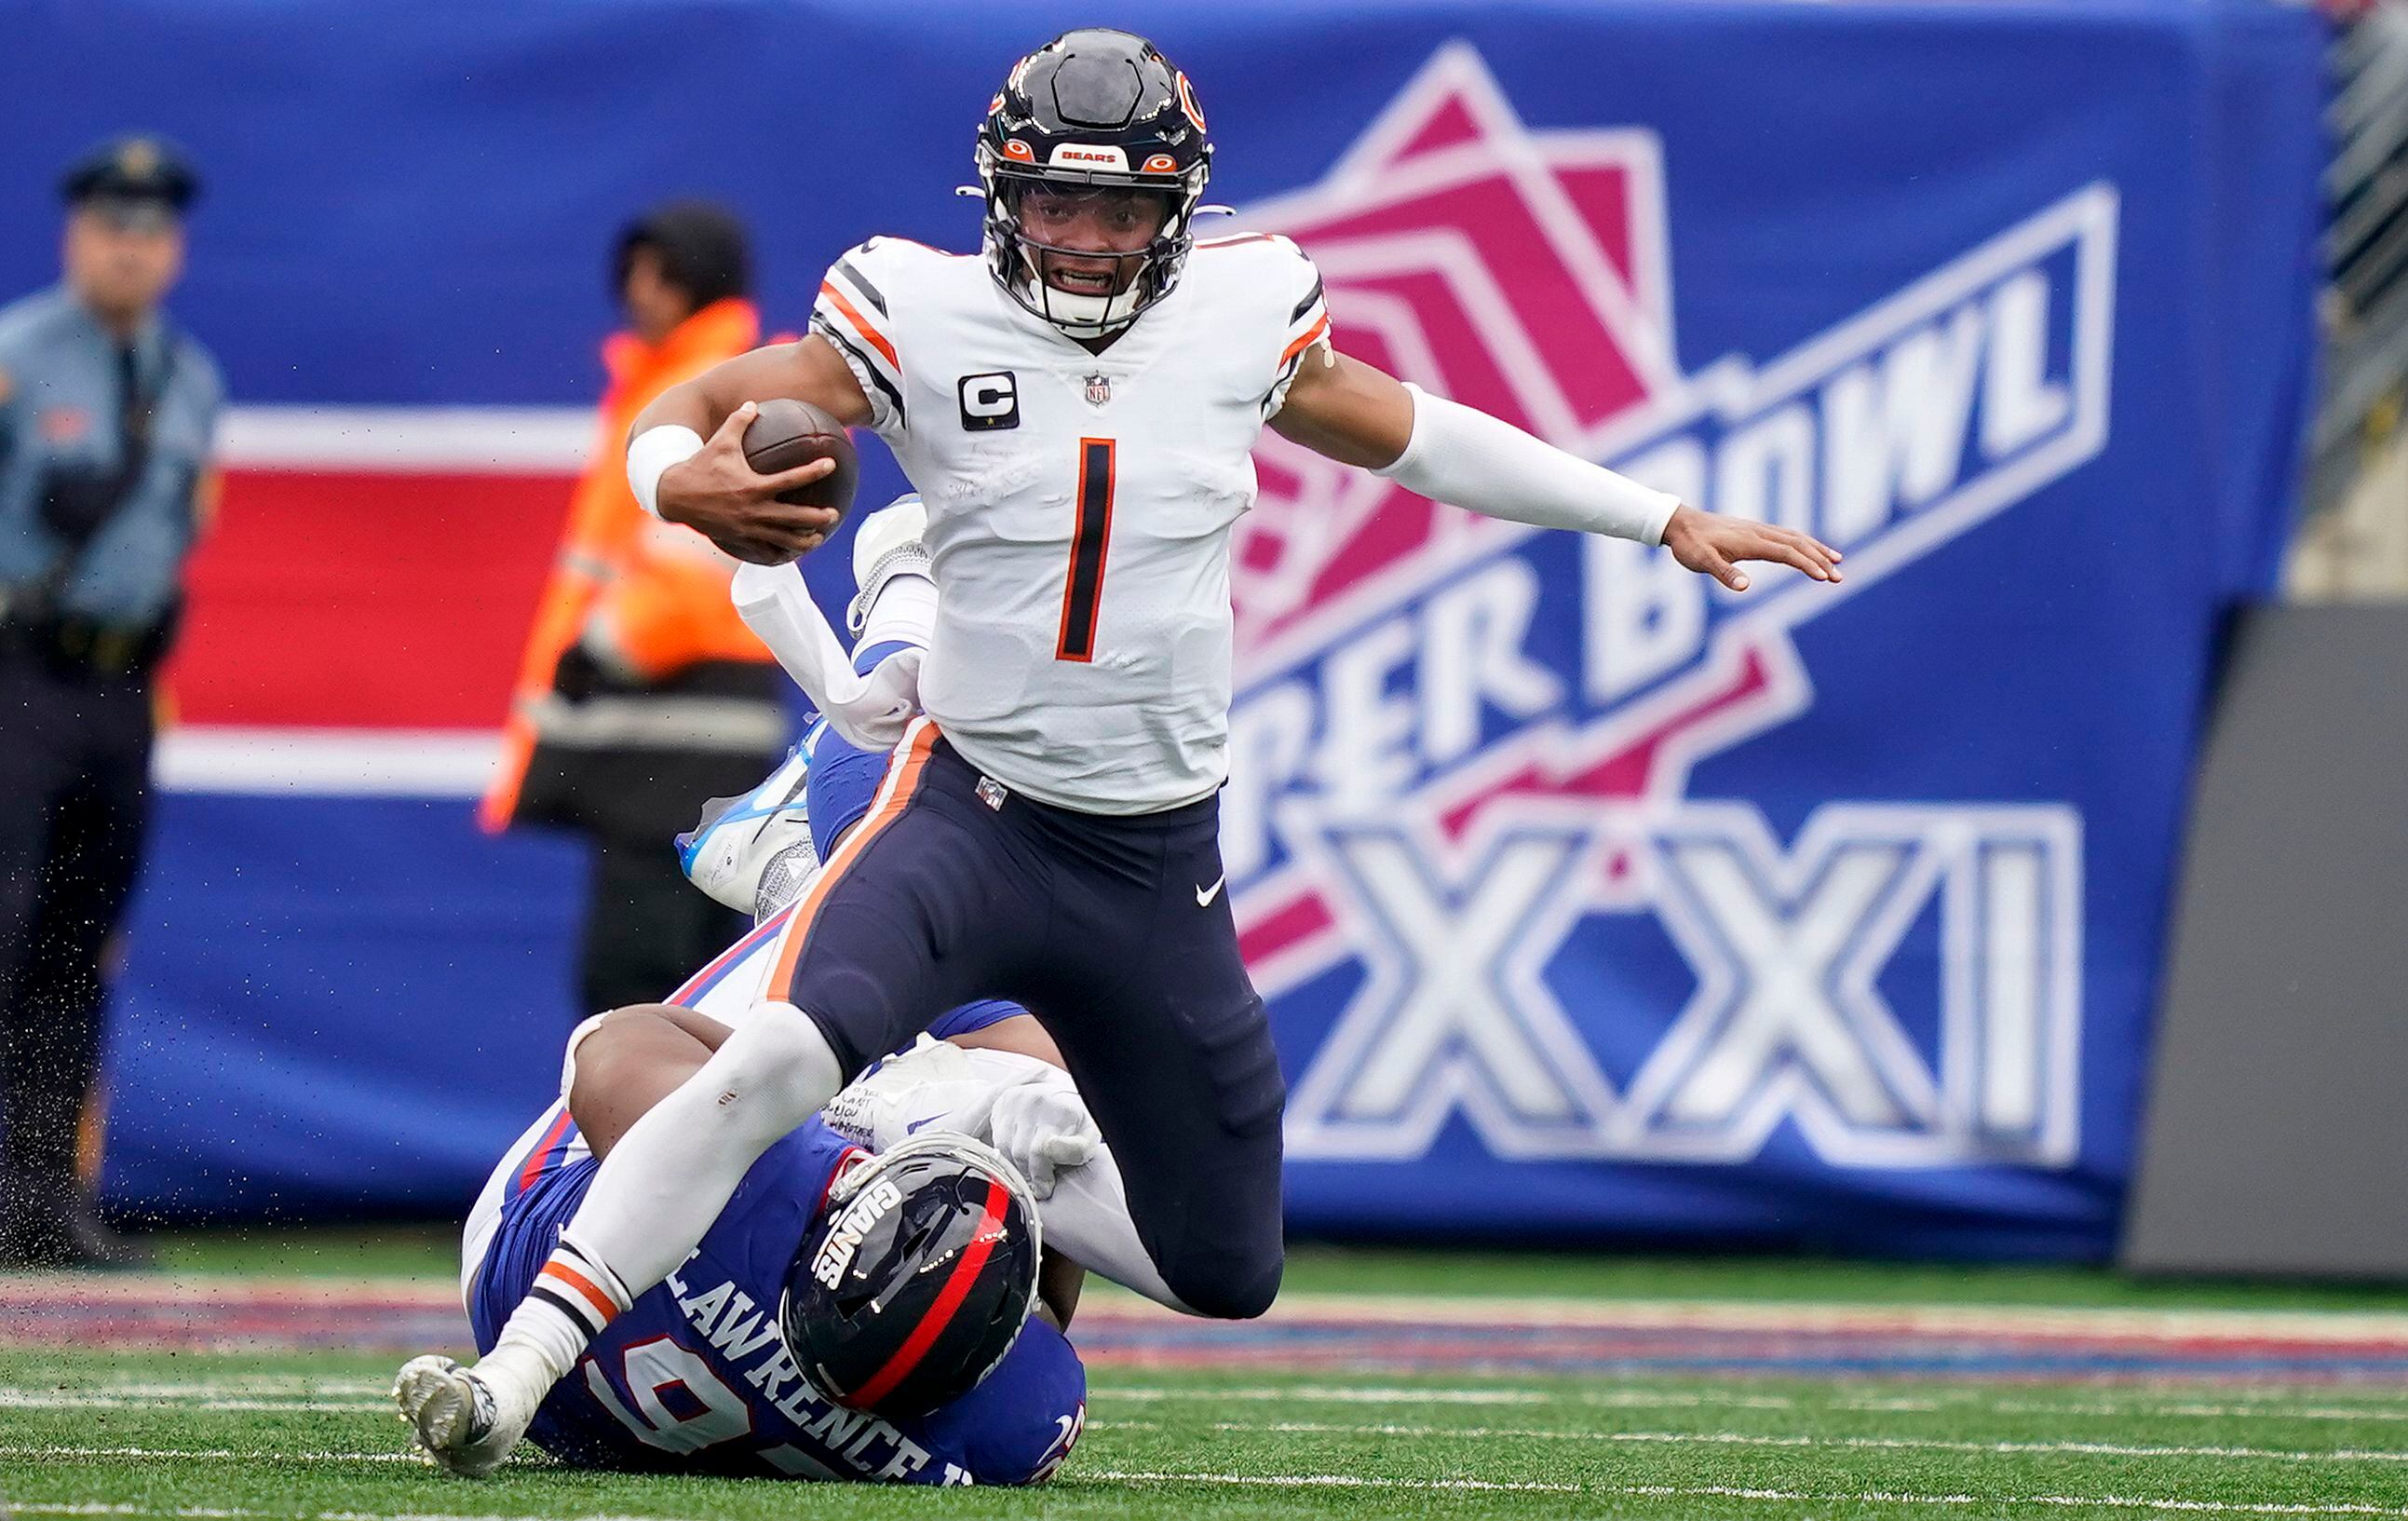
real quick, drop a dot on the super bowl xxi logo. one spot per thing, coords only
(1465, 857)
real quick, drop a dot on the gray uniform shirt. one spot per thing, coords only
(62, 408)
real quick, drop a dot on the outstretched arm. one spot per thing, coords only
(1355, 414)
(685, 452)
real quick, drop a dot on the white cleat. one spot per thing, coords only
(888, 545)
(456, 1417)
(755, 852)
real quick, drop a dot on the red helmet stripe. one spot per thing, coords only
(948, 1300)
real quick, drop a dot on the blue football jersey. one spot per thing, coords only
(694, 1377)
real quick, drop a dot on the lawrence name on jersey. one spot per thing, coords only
(1075, 404)
(701, 1374)
(727, 1366)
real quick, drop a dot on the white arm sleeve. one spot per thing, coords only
(870, 710)
(1474, 461)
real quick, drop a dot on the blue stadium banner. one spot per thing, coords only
(1591, 902)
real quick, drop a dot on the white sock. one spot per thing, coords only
(573, 1299)
(904, 609)
(663, 1184)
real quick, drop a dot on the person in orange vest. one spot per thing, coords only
(641, 694)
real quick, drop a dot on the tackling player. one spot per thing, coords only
(1077, 405)
(892, 1276)
(727, 1366)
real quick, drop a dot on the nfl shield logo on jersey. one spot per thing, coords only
(1099, 390)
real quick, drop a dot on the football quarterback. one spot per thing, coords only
(1076, 405)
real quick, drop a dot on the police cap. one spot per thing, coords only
(130, 173)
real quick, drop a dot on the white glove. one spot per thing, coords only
(1025, 1109)
(934, 1083)
(889, 696)
(1043, 1128)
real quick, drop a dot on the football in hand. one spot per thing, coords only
(787, 433)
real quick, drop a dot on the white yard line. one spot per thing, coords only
(1745, 1439)
(302, 1403)
(1268, 1481)
(1333, 1395)
(1338, 1481)
(81, 1400)
(80, 1289)
(2251, 1409)
(1650, 1491)
(2272, 1408)
(277, 1391)
(205, 1513)
(205, 1455)
(1422, 1310)
(256, 1387)
(1938, 1320)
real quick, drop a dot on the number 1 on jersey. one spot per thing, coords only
(1090, 539)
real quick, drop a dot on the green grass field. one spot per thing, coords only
(242, 1433)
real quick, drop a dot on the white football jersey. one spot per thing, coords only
(1079, 504)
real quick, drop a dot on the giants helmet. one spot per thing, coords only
(1092, 109)
(916, 1278)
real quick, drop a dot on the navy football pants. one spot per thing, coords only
(1116, 933)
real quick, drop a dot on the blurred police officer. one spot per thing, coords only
(105, 414)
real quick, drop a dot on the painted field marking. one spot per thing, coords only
(208, 1398)
(1334, 1395)
(2258, 1410)
(199, 1512)
(1651, 1491)
(72, 1399)
(256, 1387)
(273, 1391)
(1805, 1317)
(205, 1513)
(1343, 1481)
(1338, 1481)
(2270, 1407)
(1745, 1439)
(1810, 1316)
(206, 1455)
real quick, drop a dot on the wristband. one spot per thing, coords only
(650, 454)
